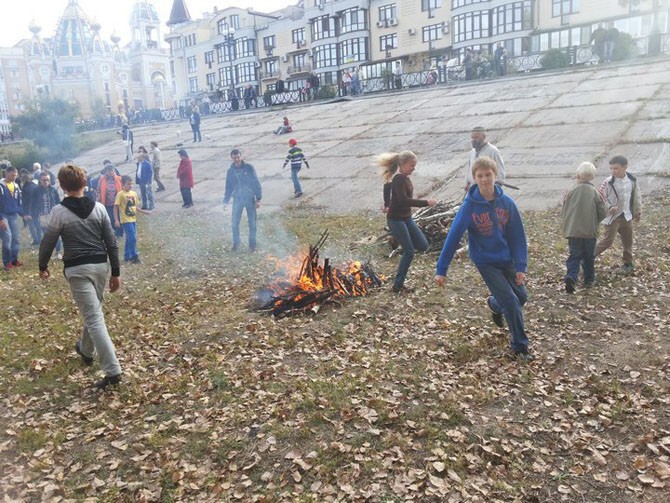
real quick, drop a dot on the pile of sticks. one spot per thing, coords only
(315, 285)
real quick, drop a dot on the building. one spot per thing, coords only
(79, 66)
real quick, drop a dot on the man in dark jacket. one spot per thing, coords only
(243, 186)
(10, 208)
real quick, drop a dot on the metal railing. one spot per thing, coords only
(294, 70)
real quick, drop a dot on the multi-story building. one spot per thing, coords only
(79, 66)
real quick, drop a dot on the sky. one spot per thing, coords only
(112, 15)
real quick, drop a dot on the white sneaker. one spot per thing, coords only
(59, 256)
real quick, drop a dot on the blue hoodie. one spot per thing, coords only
(495, 232)
(10, 204)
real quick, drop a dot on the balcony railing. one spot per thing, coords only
(273, 74)
(295, 70)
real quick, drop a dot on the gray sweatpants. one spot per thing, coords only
(87, 283)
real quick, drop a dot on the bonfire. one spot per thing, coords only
(316, 284)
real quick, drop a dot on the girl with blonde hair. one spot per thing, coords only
(396, 168)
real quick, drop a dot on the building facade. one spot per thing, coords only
(79, 66)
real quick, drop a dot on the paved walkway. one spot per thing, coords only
(544, 124)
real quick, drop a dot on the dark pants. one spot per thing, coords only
(196, 133)
(410, 238)
(582, 253)
(187, 196)
(507, 298)
(240, 204)
(117, 230)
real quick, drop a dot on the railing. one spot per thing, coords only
(274, 74)
(294, 70)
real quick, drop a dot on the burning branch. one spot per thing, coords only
(316, 285)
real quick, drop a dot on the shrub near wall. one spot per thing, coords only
(554, 58)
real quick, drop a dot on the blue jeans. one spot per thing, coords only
(507, 298)
(117, 230)
(10, 240)
(186, 196)
(582, 252)
(35, 229)
(239, 205)
(130, 250)
(410, 238)
(296, 183)
(147, 196)
(87, 284)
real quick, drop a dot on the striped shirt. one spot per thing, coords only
(296, 157)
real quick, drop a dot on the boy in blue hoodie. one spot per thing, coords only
(498, 249)
(11, 207)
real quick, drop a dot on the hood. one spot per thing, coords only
(80, 206)
(475, 197)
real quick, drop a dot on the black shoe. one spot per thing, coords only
(234, 249)
(107, 381)
(88, 361)
(569, 285)
(524, 356)
(402, 289)
(497, 318)
(136, 260)
(297, 194)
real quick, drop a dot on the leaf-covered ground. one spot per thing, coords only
(383, 398)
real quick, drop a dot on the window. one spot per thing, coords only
(246, 72)
(235, 21)
(564, 7)
(298, 35)
(511, 17)
(430, 5)
(209, 58)
(322, 27)
(352, 20)
(270, 68)
(471, 26)
(222, 26)
(225, 77)
(387, 42)
(222, 53)
(211, 81)
(325, 55)
(387, 12)
(455, 4)
(354, 50)
(189, 40)
(432, 32)
(299, 61)
(193, 84)
(192, 64)
(245, 47)
(269, 42)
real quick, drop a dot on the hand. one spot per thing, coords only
(520, 278)
(45, 274)
(637, 218)
(258, 204)
(432, 202)
(3, 225)
(117, 225)
(27, 218)
(114, 283)
(440, 280)
(612, 210)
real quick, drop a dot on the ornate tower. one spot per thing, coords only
(149, 63)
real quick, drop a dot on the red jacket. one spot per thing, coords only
(102, 189)
(185, 173)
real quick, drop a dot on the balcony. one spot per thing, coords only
(297, 70)
(274, 74)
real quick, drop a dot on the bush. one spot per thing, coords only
(326, 92)
(624, 47)
(554, 58)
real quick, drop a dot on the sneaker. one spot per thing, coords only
(88, 361)
(136, 260)
(107, 381)
(234, 249)
(498, 318)
(297, 195)
(569, 285)
(18, 263)
(626, 269)
(524, 356)
(59, 256)
(8, 267)
(402, 289)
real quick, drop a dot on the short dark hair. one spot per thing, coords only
(619, 159)
(10, 168)
(182, 152)
(71, 178)
(125, 179)
(106, 162)
(153, 144)
(235, 151)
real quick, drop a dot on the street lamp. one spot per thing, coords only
(229, 41)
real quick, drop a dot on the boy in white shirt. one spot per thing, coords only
(622, 199)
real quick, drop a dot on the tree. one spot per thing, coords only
(50, 124)
(554, 58)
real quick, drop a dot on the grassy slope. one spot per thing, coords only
(383, 397)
